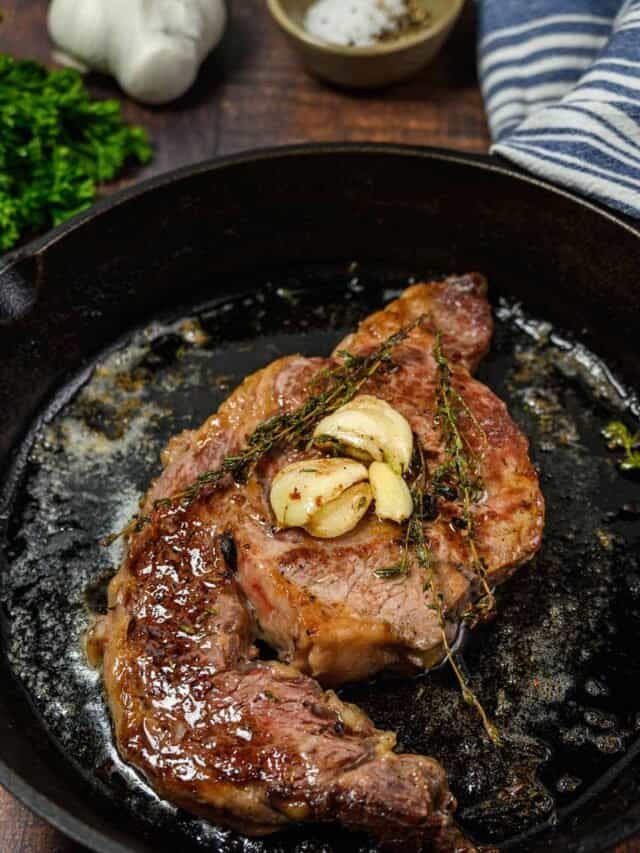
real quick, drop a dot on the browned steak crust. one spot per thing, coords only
(253, 744)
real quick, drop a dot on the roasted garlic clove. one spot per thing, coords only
(341, 515)
(303, 488)
(369, 429)
(391, 493)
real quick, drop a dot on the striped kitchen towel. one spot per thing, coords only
(561, 83)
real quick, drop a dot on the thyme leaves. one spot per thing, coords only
(332, 388)
(619, 437)
(395, 570)
(457, 478)
(424, 557)
(460, 473)
(422, 506)
(291, 429)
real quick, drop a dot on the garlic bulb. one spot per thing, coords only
(391, 493)
(304, 488)
(153, 48)
(371, 430)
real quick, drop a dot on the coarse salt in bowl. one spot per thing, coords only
(365, 43)
(354, 22)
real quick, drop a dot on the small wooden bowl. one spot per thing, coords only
(372, 66)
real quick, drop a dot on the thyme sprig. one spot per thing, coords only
(619, 437)
(415, 541)
(332, 388)
(457, 477)
(460, 473)
(425, 561)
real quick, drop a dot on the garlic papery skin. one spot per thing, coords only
(390, 492)
(301, 489)
(153, 48)
(341, 515)
(369, 429)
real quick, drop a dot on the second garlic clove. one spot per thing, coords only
(391, 493)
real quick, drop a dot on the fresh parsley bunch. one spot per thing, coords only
(56, 144)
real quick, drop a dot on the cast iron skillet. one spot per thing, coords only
(212, 230)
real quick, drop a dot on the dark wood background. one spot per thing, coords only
(252, 92)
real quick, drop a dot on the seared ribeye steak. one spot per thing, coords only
(258, 744)
(320, 602)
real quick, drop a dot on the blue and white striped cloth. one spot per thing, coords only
(561, 83)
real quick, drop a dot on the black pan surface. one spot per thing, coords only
(135, 320)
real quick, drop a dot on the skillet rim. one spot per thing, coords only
(484, 162)
(62, 818)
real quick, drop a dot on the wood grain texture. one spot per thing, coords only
(252, 92)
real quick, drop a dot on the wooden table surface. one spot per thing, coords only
(252, 92)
